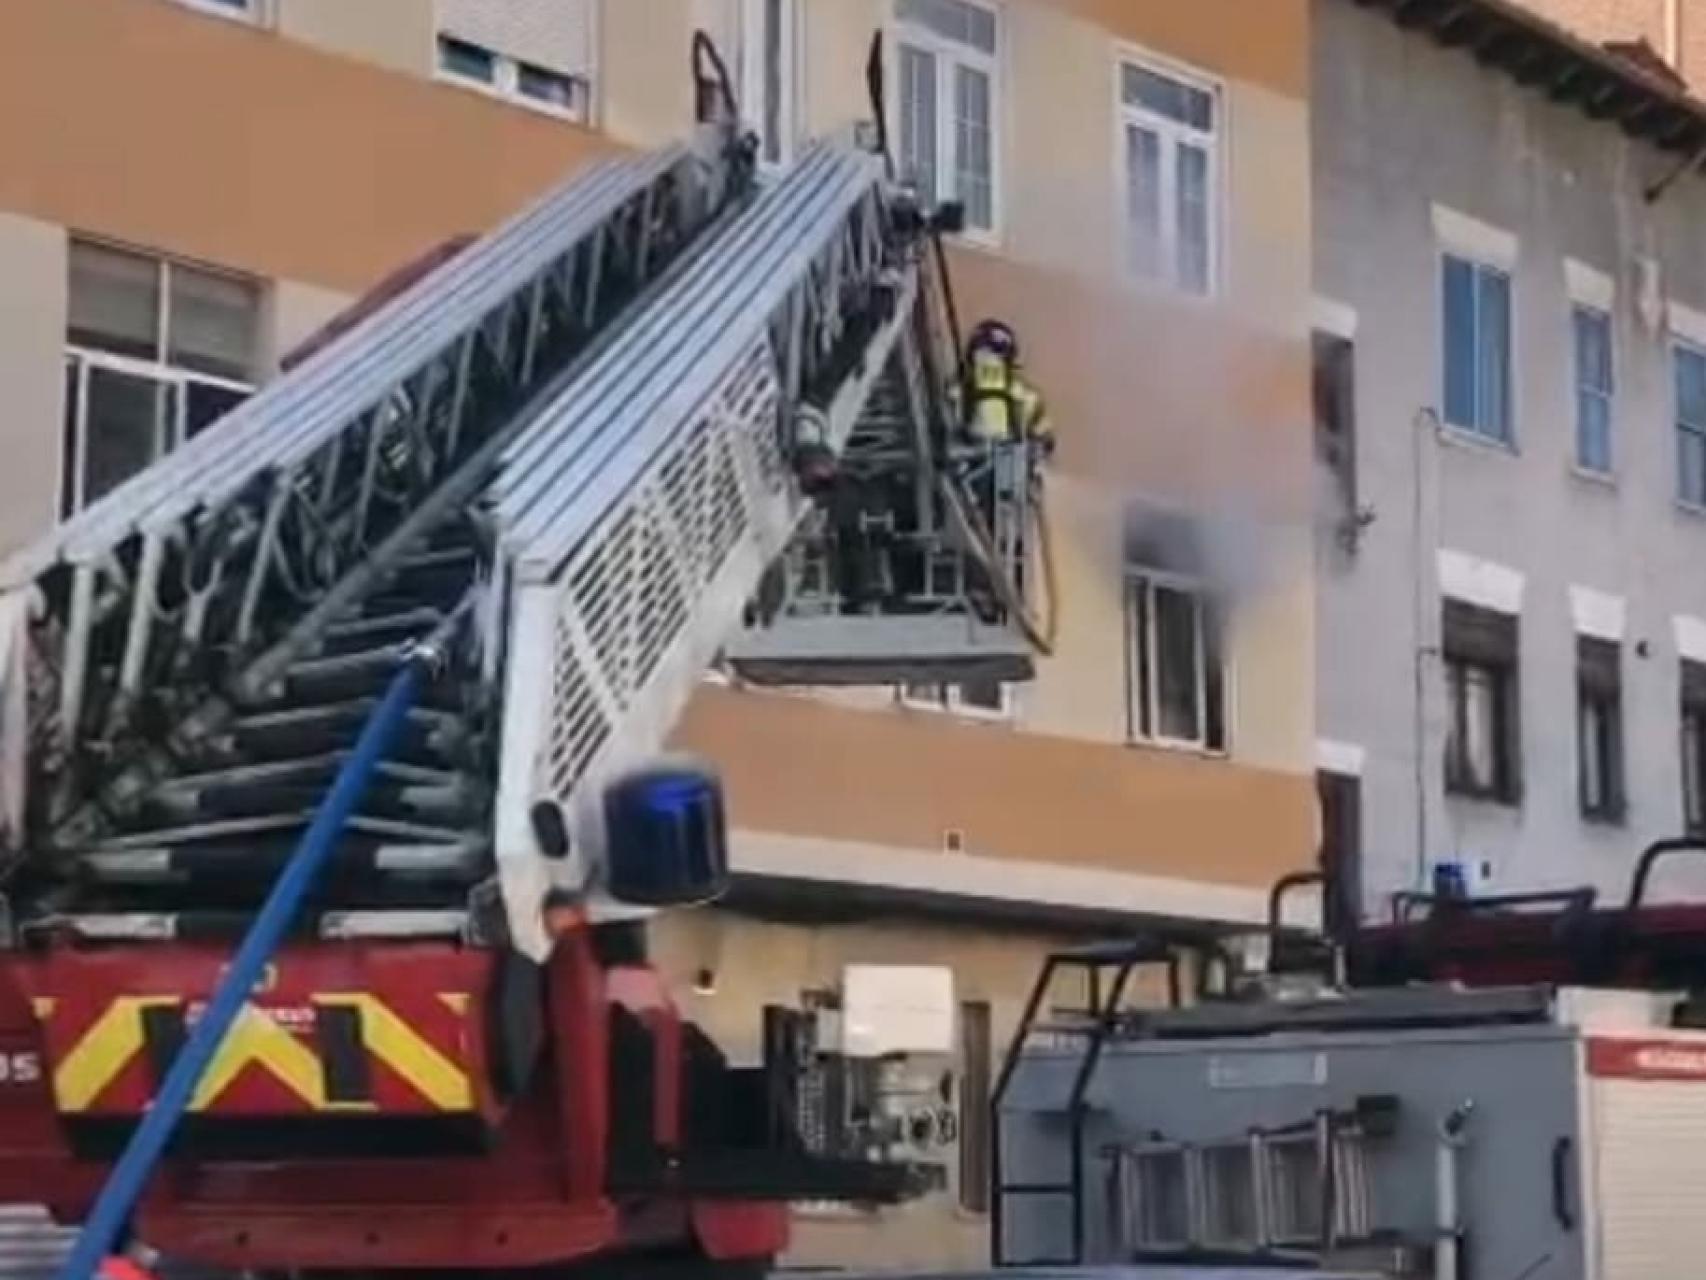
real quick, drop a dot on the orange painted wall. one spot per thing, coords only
(145, 122)
(795, 766)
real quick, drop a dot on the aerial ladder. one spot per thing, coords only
(373, 675)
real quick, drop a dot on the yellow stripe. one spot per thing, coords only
(256, 1038)
(396, 1044)
(106, 1048)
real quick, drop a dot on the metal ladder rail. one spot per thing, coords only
(1105, 1002)
(634, 542)
(552, 260)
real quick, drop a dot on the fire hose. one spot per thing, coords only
(974, 532)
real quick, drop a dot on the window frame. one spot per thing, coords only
(948, 698)
(505, 84)
(1679, 346)
(252, 13)
(1142, 700)
(1465, 647)
(1601, 315)
(754, 18)
(1128, 54)
(81, 360)
(948, 54)
(1594, 689)
(1691, 705)
(1480, 265)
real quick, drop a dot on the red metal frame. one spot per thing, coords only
(536, 1196)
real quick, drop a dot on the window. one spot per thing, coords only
(243, 10)
(1340, 796)
(1482, 749)
(1691, 425)
(1599, 728)
(976, 1071)
(946, 63)
(1477, 348)
(1593, 389)
(1174, 671)
(515, 79)
(990, 699)
(155, 351)
(770, 91)
(1335, 415)
(1694, 747)
(1170, 141)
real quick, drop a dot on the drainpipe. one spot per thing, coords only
(1673, 34)
(1448, 1223)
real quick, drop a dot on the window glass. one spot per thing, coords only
(114, 302)
(213, 323)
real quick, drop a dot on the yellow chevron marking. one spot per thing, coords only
(106, 1048)
(396, 1044)
(256, 1038)
(43, 1005)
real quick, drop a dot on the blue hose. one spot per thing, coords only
(129, 1177)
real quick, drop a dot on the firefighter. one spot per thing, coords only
(1003, 407)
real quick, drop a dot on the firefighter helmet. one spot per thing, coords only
(995, 336)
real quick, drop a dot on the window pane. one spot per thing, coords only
(205, 404)
(1693, 760)
(1177, 654)
(114, 300)
(918, 120)
(966, 24)
(1165, 96)
(974, 168)
(1142, 671)
(126, 426)
(1193, 219)
(463, 58)
(984, 695)
(772, 105)
(1593, 349)
(1459, 342)
(1691, 466)
(1493, 340)
(1143, 200)
(68, 437)
(1591, 743)
(1480, 727)
(544, 85)
(1691, 386)
(1593, 431)
(214, 323)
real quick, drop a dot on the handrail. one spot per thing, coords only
(1650, 857)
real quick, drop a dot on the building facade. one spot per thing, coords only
(1135, 181)
(1509, 381)
(1674, 30)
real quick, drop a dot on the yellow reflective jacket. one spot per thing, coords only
(999, 393)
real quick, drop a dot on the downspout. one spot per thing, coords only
(1673, 34)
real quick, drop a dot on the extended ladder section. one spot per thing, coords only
(568, 454)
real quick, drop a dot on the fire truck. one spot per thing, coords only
(373, 676)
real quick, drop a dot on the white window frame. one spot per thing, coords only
(1142, 578)
(1678, 346)
(505, 84)
(1481, 264)
(951, 702)
(754, 42)
(1172, 133)
(158, 370)
(1579, 308)
(254, 13)
(950, 54)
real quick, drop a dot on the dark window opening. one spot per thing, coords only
(1335, 416)
(1694, 747)
(1599, 729)
(1483, 757)
(976, 1062)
